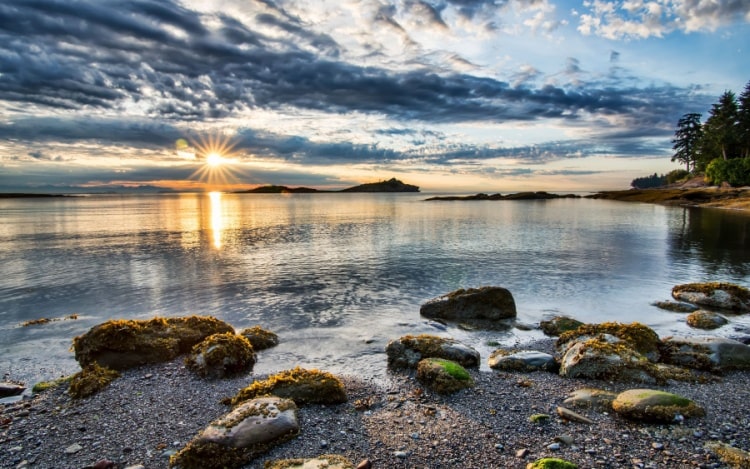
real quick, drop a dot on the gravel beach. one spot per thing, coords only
(153, 411)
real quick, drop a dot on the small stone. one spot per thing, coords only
(365, 464)
(103, 464)
(657, 446)
(74, 448)
(565, 439)
(553, 447)
(522, 453)
(415, 436)
(400, 454)
(499, 446)
(323, 444)
(137, 466)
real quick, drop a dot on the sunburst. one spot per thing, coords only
(217, 152)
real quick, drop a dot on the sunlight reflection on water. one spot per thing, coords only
(338, 275)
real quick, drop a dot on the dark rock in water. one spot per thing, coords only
(483, 304)
(675, 307)
(407, 351)
(706, 353)
(707, 320)
(11, 389)
(260, 338)
(559, 324)
(725, 296)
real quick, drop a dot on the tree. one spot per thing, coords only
(720, 130)
(743, 122)
(686, 142)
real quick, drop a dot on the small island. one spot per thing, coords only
(391, 185)
(541, 195)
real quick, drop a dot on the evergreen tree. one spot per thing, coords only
(743, 122)
(720, 131)
(687, 140)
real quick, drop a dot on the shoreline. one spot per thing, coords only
(708, 197)
(152, 411)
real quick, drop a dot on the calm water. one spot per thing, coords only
(338, 275)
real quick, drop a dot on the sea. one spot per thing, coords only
(337, 275)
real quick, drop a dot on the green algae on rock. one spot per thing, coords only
(220, 355)
(551, 463)
(407, 351)
(443, 376)
(90, 380)
(651, 405)
(260, 338)
(123, 344)
(301, 385)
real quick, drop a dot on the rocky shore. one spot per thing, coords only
(152, 411)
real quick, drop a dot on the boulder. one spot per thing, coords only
(608, 358)
(484, 305)
(650, 405)
(260, 338)
(707, 320)
(300, 385)
(239, 436)
(559, 324)
(443, 376)
(11, 389)
(706, 353)
(123, 344)
(221, 355)
(327, 461)
(525, 360)
(407, 351)
(597, 399)
(636, 336)
(714, 295)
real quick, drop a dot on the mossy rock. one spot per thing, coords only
(91, 380)
(551, 463)
(734, 457)
(301, 385)
(221, 355)
(260, 338)
(720, 295)
(559, 324)
(123, 344)
(639, 337)
(650, 405)
(706, 320)
(326, 461)
(43, 386)
(539, 418)
(407, 351)
(443, 376)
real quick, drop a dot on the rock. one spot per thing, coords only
(638, 337)
(407, 351)
(539, 418)
(551, 463)
(706, 353)
(597, 399)
(74, 448)
(364, 464)
(734, 457)
(608, 358)
(650, 405)
(90, 380)
(221, 355)
(675, 307)
(327, 461)
(714, 295)
(526, 360)
(260, 338)
(485, 304)
(104, 464)
(559, 324)
(568, 414)
(702, 319)
(301, 385)
(11, 389)
(123, 344)
(247, 431)
(443, 376)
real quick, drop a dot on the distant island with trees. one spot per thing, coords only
(391, 185)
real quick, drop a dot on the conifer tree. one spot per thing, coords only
(687, 140)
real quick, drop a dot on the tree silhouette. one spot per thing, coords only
(687, 140)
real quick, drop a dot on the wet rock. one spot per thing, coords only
(260, 338)
(650, 405)
(236, 438)
(327, 461)
(675, 307)
(559, 324)
(707, 320)
(443, 376)
(714, 295)
(407, 351)
(221, 355)
(11, 389)
(484, 304)
(706, 353)
(525, 360)
(301, 385)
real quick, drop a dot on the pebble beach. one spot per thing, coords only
(151, 412)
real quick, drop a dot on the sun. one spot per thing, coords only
(214, 159)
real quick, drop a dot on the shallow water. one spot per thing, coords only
(338, 275)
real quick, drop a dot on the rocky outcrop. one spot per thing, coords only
(239, 436)
(123, 344)
(524, 360)
(559, 324)
(706, 353)
(714, 295)
(706, 320)
(301, 385)
(478, 305)
(221, 355)
(260, 338)
(443, 376)
(651, 405)
(407, 351)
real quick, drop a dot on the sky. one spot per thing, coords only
(450, 95)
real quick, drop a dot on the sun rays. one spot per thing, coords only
(217, 152)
